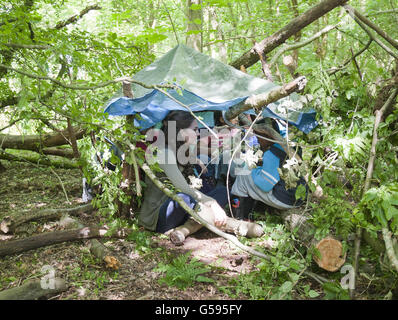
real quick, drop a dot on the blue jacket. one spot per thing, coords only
(267, 176)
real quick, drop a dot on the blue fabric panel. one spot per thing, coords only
(267, 176)
(155, 106)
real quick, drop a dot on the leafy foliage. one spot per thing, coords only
(381, 204)
(183, 271)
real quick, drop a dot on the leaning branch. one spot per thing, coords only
(379, 115)
(335, 70)
(257, 102)
(268, 44)
(390, 248)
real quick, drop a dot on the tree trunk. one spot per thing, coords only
(33, 290)
(127, 170)
(268, 44)
(194, 29)
(213, 23)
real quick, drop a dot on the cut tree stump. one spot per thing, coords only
(34, 290)
(50, 238)
(330, 249)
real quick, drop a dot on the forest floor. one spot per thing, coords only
(24, 186)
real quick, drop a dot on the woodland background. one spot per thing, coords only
(60, 62)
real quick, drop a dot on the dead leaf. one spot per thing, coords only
(112, 263)
(4, 225)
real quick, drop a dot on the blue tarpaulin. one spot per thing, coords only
(206, 85)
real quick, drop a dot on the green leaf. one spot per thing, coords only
(301, 192)
(286, 287)
(204, 279)
(313, 294)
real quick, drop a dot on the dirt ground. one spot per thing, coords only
(27, 187)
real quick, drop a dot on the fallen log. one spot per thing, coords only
(33, 290)
(10, 223)
(35, 158)
(97, 249)
(60, 152)
(50, 238)
(330, 249)
(38, 142)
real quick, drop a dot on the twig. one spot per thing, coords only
(171, 21)
(233, 155)
(62, 185)
(89, 87)
(376, 28)
(335, 70)
(301, 44)
(356, 65)
(294, 284)
(370, 34)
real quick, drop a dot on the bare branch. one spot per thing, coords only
(89, 87)
(370, 34)
(76, 17)
(261, 100)
(26, 46)
(300, 44)
(376, 28)
(335, 70)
